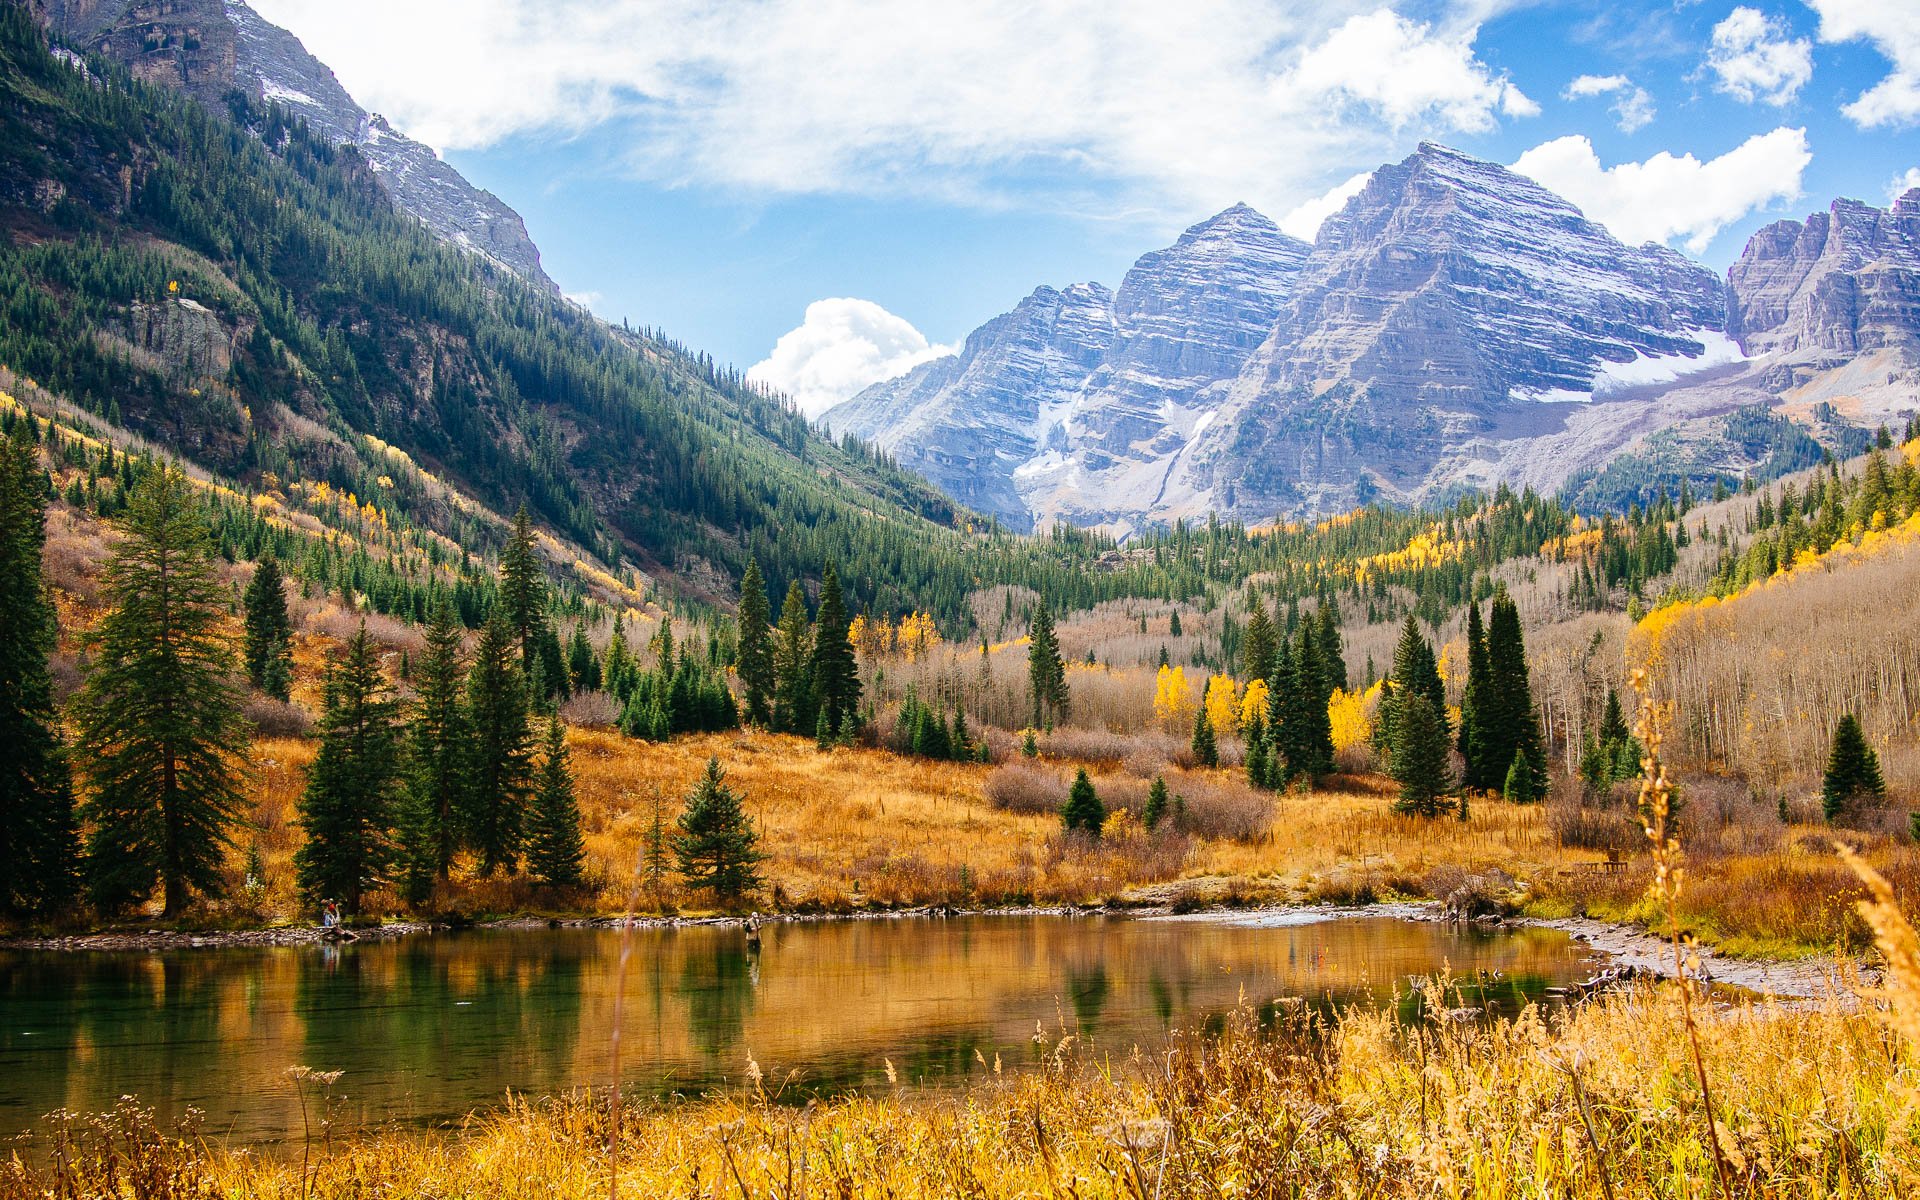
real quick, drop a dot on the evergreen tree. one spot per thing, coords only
(523, 590)
(550, 674)
(269, 638)
(1156, 807)
(1309, 749)
(1206, 752)
(1333, 652)
(1506, 723)
(500, 749)
(617, 673)
(1420, 758)
(555, 852)
(1046, 674)
(1477, 774)
(716, 846)
(755, 654)
(836, 678)
(1257, 644)
(162, 738)
(1083, 809)
(792, 658)
(1526, 780)
(349, 805)
(1415, 673)
(438, 760)
(582, 666)
(1853, 771)
(39, 845)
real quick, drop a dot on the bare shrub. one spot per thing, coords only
(594, 710)
(1025, 787)
(275, 718)
(1098, 746)
(1218, 808)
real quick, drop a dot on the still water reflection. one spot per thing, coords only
(429, 1027)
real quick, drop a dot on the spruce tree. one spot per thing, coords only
(617, 673)
(1333, 652)
(354, 786)
(582, 665)
(1046, 674)
(1310, 743)
(1478, 774)
(1853, 771)
(437, 776)
(1206, 750)
(162, 738)
(1420, 758)
(1257, 644)
(755, 654)
(269, 636)
(1083, 809)
(555, 851)
(716, 846)
(792, 659)
(1156, 807)
(39, 844)
(836, 677)
(1415, 673)
(523, 590)
(1507, 724)
(500, 749)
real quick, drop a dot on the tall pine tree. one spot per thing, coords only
(355, 784)
(1853, 771)
(39, 847)
(1420, 758)
(500, 749)
(1507, 726)
(1046, 674)
(438, 760)
(162, 738)
(1309, 747)
(1415, 673)
(1333, 652)
(555, 852)
(1478, 775)
(836, 678)
(792, 663)
(1257, 645)
(755, 654)
(523, 590)
(269, 640)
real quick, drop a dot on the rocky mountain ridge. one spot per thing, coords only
(1454, 325)
(207, 48)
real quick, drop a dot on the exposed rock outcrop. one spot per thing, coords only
(207, 48)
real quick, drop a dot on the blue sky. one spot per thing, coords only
(742, 172)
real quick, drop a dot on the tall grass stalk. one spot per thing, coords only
(1656, 811)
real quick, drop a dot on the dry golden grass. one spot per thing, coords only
(1593, 1103)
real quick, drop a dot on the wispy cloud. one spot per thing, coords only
(1668, 198)
(1893, 26)
(1633, 107)
(1755, 57)
(1054, 102)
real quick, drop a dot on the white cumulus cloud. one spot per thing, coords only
(1304, 219)
(1755, 57)
(1904, 184)
(1667, 197)
(1633, 106)
(841, 346)
(1122, 107)
(1893, 26)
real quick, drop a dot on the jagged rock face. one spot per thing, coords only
(966, 421)
(1451, 304)
(1447, 294)
(209, 47)
(1842, 283)
(1080, 396)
